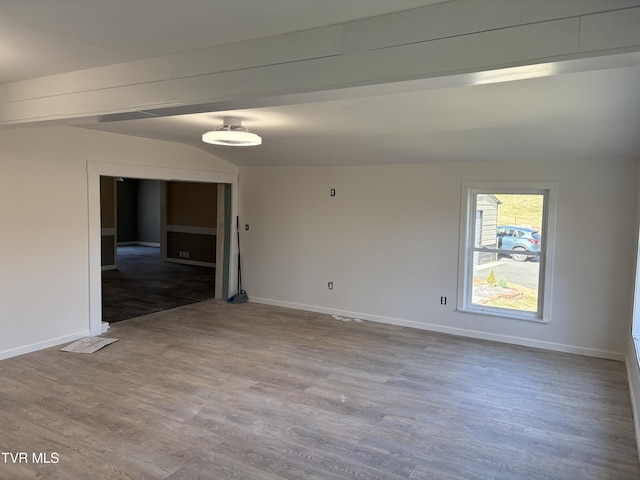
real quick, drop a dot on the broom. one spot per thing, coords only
(240, 296)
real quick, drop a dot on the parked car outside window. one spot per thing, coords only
(512, 237)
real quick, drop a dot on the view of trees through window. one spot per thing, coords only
(507, 251)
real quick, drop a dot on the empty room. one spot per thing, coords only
(419, 221)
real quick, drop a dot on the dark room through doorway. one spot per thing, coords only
(161, 242)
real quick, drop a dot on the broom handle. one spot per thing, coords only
(239, 270)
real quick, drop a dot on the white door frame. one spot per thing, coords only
(94, 171)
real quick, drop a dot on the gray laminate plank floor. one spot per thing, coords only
(217, 391)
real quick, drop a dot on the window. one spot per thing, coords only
(635, 326)
(505, 251)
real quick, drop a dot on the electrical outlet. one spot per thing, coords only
(330, 285)
(186, 254)
(443, 300)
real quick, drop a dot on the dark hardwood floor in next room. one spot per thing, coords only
(218, 391)
(144, 284)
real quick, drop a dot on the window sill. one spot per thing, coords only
(511, 316)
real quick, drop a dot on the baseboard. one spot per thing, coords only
(191, 262)
(142, 244)
(14, 352)
(526, 342)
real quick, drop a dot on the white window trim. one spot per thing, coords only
(546, 265)
(635, 321)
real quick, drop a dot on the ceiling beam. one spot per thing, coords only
(445, 39)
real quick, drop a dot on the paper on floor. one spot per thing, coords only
(88, 345)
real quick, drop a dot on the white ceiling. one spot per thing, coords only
(583, 113)
(593, 114)
(45, 37)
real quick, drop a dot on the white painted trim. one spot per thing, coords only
(52, 342)
(502, 313)
(526, 342)
(220, 227)
(94, 171)
(188, 229)
(163, 221)
(635, 317)
(191, 262)
(545, 288)
(633, 378)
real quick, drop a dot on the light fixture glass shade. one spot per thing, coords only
(231, 138)
(232, 134)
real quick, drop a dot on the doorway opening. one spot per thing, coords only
(163, 244)
(227, 187)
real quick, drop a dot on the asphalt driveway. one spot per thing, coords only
(520, 273)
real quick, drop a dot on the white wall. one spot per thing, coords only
(389, 242)
(44, 246)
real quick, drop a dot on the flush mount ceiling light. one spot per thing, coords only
(232, 134)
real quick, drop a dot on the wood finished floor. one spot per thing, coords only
(218, 391)
(144, 284)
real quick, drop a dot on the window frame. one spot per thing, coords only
(635, 321)
(470, 191)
